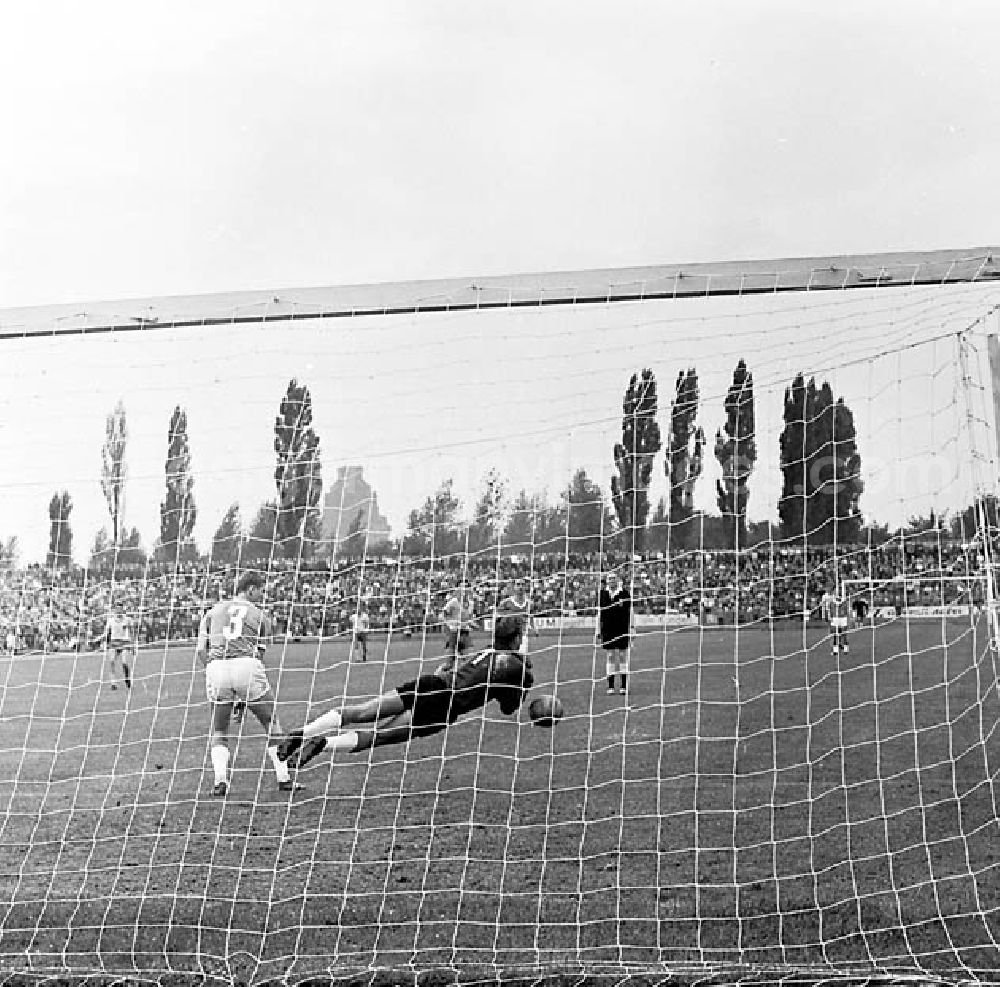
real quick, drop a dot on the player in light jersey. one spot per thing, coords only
(835, 609)
(425, 705)
(359, 633)
(518, 604)
(232, 638)
(118, 637)
(457, 617)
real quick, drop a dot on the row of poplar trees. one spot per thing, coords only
(820, 465)
(819, 462)
(283, 525)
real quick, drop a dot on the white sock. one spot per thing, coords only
(280, 768)
(220, 762)
(342, 741)
(326, 724)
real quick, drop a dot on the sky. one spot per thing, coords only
(180, 149)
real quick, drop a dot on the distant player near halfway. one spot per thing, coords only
(860, 608)
(518, 604)
(119, 637)
(359, 632)
(834, 607)
(422, 706)
(231, 640)
(457, 615)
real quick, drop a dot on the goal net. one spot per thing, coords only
(660, 473)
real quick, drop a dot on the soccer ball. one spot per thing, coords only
(545, 711)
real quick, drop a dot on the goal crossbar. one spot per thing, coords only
(528, 290)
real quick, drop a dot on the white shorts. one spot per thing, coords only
(236, 680)
(838, 623)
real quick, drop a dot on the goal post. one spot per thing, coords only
(657, 472)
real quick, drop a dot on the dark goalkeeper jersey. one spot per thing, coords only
(615, 618)
(476, 679)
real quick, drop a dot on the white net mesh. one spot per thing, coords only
(723, 796)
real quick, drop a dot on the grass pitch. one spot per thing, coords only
(752, 801)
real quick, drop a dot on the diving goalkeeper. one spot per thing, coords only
(424, 705)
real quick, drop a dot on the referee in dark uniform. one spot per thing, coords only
(614, 629)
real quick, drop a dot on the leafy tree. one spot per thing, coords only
(297, 475)
(736, 451)
(433, 528)
(550, 533)
(113, 469)
(519, 531)
(533, 525)
(260, 542)
(685, 452)
(761, 533)
(131, 552)
(177, 511)
(658, 536)
(794, 459)
(104, 554)
(968, 523)
(60, 552)
(821, 466)
(102, 550)
(926, 524)
(227, 542)
(489, 513)
(837, 468)
(710, 530)
(634, 457)
(587, 517)
(875, 534)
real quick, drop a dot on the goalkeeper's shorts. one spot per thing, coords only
(429, 700)
(236, 680)
(457, 639)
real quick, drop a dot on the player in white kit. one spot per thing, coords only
(231, 640)
(835, 610)
(119, 637)
(518, 604)
(359, 633)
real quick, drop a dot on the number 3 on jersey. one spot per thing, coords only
(234, 629)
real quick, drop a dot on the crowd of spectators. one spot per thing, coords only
(66, 609)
